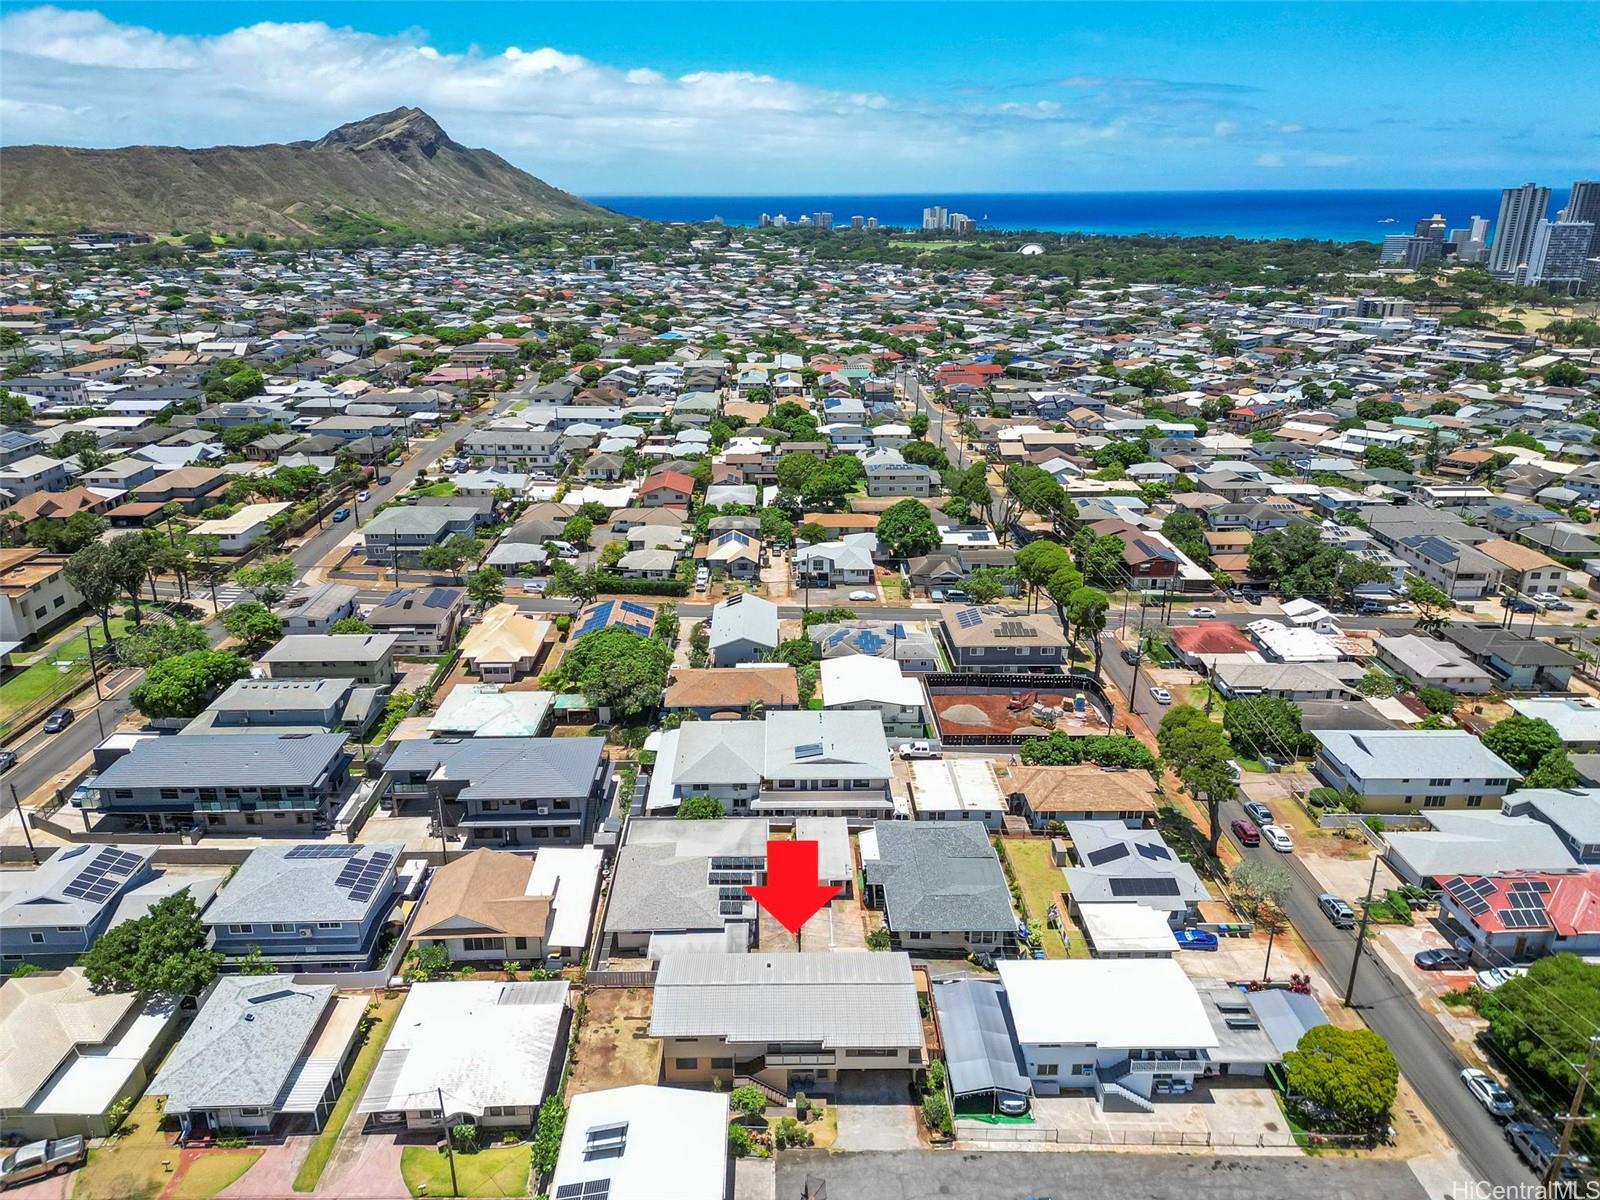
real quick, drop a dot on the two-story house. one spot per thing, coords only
(53, 913)
(1410, 770)
(861, 682)
(399, 535)
(367, 658)
(998, 641)
(423, 620)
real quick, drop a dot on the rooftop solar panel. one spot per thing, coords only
(1144, 887)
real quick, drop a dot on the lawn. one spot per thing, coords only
(444, 487)
(43, 679)
(130, 1167)
(210, 1172)
(305, 1179)
(1029, 862)
(501, 1171)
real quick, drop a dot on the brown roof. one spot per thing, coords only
(850, 520)
(58, 505)
(1211, 637)
(733, 687)
(1516, 556)
(486, 888)
(1083, 788)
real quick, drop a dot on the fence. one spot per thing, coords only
(955, 683)
(969, 1132)
(619, 979)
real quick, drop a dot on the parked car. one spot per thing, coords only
(1203, 613)
(1252, 597)
(1259, 812)
(363, 495)
(1161, 695)
(8, 759)
(1012, 1106)
(1401, 607)
(919, 750)
(38, 1159)
(1247, 833)
(1336, 910)
(1278, 838)
(936, 595)
(1446, 958)
(863, 595)
(58, 720)
(341, 514)
(1486, 1090)
(1195, 939)
(1518, 604)
(956, 596)
(1537, 1149)
(1493, 977)
(383, 480)
(1131, 657)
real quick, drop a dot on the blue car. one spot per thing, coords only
(341, 514)
(1195, 939)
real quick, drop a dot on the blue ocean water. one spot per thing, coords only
(1340, 216)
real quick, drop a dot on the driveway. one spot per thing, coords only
(874, 1112)
(273, 1173)
(838, 925)
(367, 1165)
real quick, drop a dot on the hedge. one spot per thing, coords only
(615, 585)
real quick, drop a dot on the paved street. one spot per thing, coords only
(1019, 1175)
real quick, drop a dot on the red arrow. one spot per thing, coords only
(792, 891)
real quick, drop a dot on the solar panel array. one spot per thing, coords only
(103, 875)
(1526, 900)
(1156, 853)
(1472, 896)
(1164, 886)
(639, 610)
(363, 873)
(869, 641)
(808, 750)
(969, 617)
(1014, 629)
(323, 851)
(1099, 858)
(595, 1189)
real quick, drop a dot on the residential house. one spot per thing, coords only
(1518, 916)
(492, 906)
(1427, 662)
(1460, 571)
(1399, 771)
(505, 644)
(1526, 569)
(744, 629)
(314, 611)
(35, 593)
(793, 1022)
(735, 553)
(1576, 719)
(283, 706)
(710, 693)
(36, 473)
(312, 906)
(263, 1052)
(398, 536)
(1516, 662)
(492, 1049)
(1572, 813)
(940, 888)
(1051, 797)
(911, 644)
(984, 1063)
(842, 563)
(250, 783)
(643, 1142)
(1116, 864)
(504, 791)
(367, 658)
(1474, 843)
(240, 531)
(70, 1053)
(999, 641)
(1288, 681)
(630, 614)
(901, 479)
(861, 682)
(51, 915)
(666, 489)
(489, 710)
(422, 620)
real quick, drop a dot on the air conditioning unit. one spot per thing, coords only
(544, 810)
(307, 932)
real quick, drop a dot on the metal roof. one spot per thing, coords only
(244, 760)
(310, 881)
(980, 1046)
(522, 768)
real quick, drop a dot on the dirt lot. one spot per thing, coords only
(615, 1047)
(980, 712)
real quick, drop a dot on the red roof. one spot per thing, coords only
(1211, 637)
(1567, 902)
(676, 480)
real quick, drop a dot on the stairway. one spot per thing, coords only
(766, 1089)
(1114, 1095)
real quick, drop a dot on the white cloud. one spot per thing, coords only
(81, 78)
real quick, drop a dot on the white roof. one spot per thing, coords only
(674, 1143)
(1127, 929)
(955, 785)
(1122, 1003)
(569, 875)
(484, 1043)
(1575, 718)
(857, 678)
(243, 521)
(1293, 645)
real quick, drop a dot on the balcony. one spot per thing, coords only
(822, 1059)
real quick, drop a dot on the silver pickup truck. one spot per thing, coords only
(38, 1159)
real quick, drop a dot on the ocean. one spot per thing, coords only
(1339, 216)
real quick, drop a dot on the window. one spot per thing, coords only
(482, 943)
(250, 1112)
(1433, 802)
(1474, 801)
(685, 1064)
(282, 927)
(872, 1053)
(722, 1064)
(1045, 1070)
(330, 924)
(1083, 1068)
(240, 928)
(36, 938)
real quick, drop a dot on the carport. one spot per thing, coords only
(985, 1063)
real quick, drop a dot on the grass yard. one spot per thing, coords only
(130, 1167)
(316, 1160)
(33, 684)
(501, 1171)
(1029, 863)
(614, 1046)
(443, 487)
(210, 1172)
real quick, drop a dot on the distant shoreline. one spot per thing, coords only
(1339, 216)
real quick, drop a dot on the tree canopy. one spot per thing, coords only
(1267, 726)
(1349, 1075)
(253, 625)
(1543, 1019)
(701, 808)
(906, 529)
(183, 686)
(1522, 741)
(162, 951)
(616, 668)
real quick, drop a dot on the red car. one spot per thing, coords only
(1247, 833)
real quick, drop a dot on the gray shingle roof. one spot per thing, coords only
(940, 876)
(839, 1000)
(244, 760)
(331, 647)
(276, 884)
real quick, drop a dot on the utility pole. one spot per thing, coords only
(94, 671)
(1361, 933)
(22, 819)
(449, 1148)
(1574, 1115)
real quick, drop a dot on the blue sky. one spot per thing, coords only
(788, 97)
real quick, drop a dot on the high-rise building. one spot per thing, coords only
(872, 222)
(1469, 242)
(766, 220)
(961, 224)
(1409, 250)
(1584, 205)
(1431, 227)
(1559, 256)
(935, 217)
(822, 220)
(855, 222)
(1521, 210)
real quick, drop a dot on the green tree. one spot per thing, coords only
(350, 625)
(700, 808)
(1522, 741)
(795, 471)
(1565, 374)
(1387, 457)
(776, 525)
(253, 625)
(255, 963)
(95, 571)
(1554, 770)
(813, 534)
(547, 1138)
(1099, 558)
(1086, 610)
(616, 668)
(268, 579)
(183, 686)
(1379, 410)
(1542, 1020)
(1348, 1073)
(985, 584)
(1266, 726)
(486, 587)
(1377, 684)
(1431, 604)
(452, 555)
(1437, 700)
(1188, 533)
(1038, 562)
(919, 425)
(578, 530)
(1195, 748)
(152, 643)
(15, 411)
(906, 529)
(162, 951)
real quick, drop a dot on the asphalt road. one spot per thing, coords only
(1425, 1055)
(46, 756)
